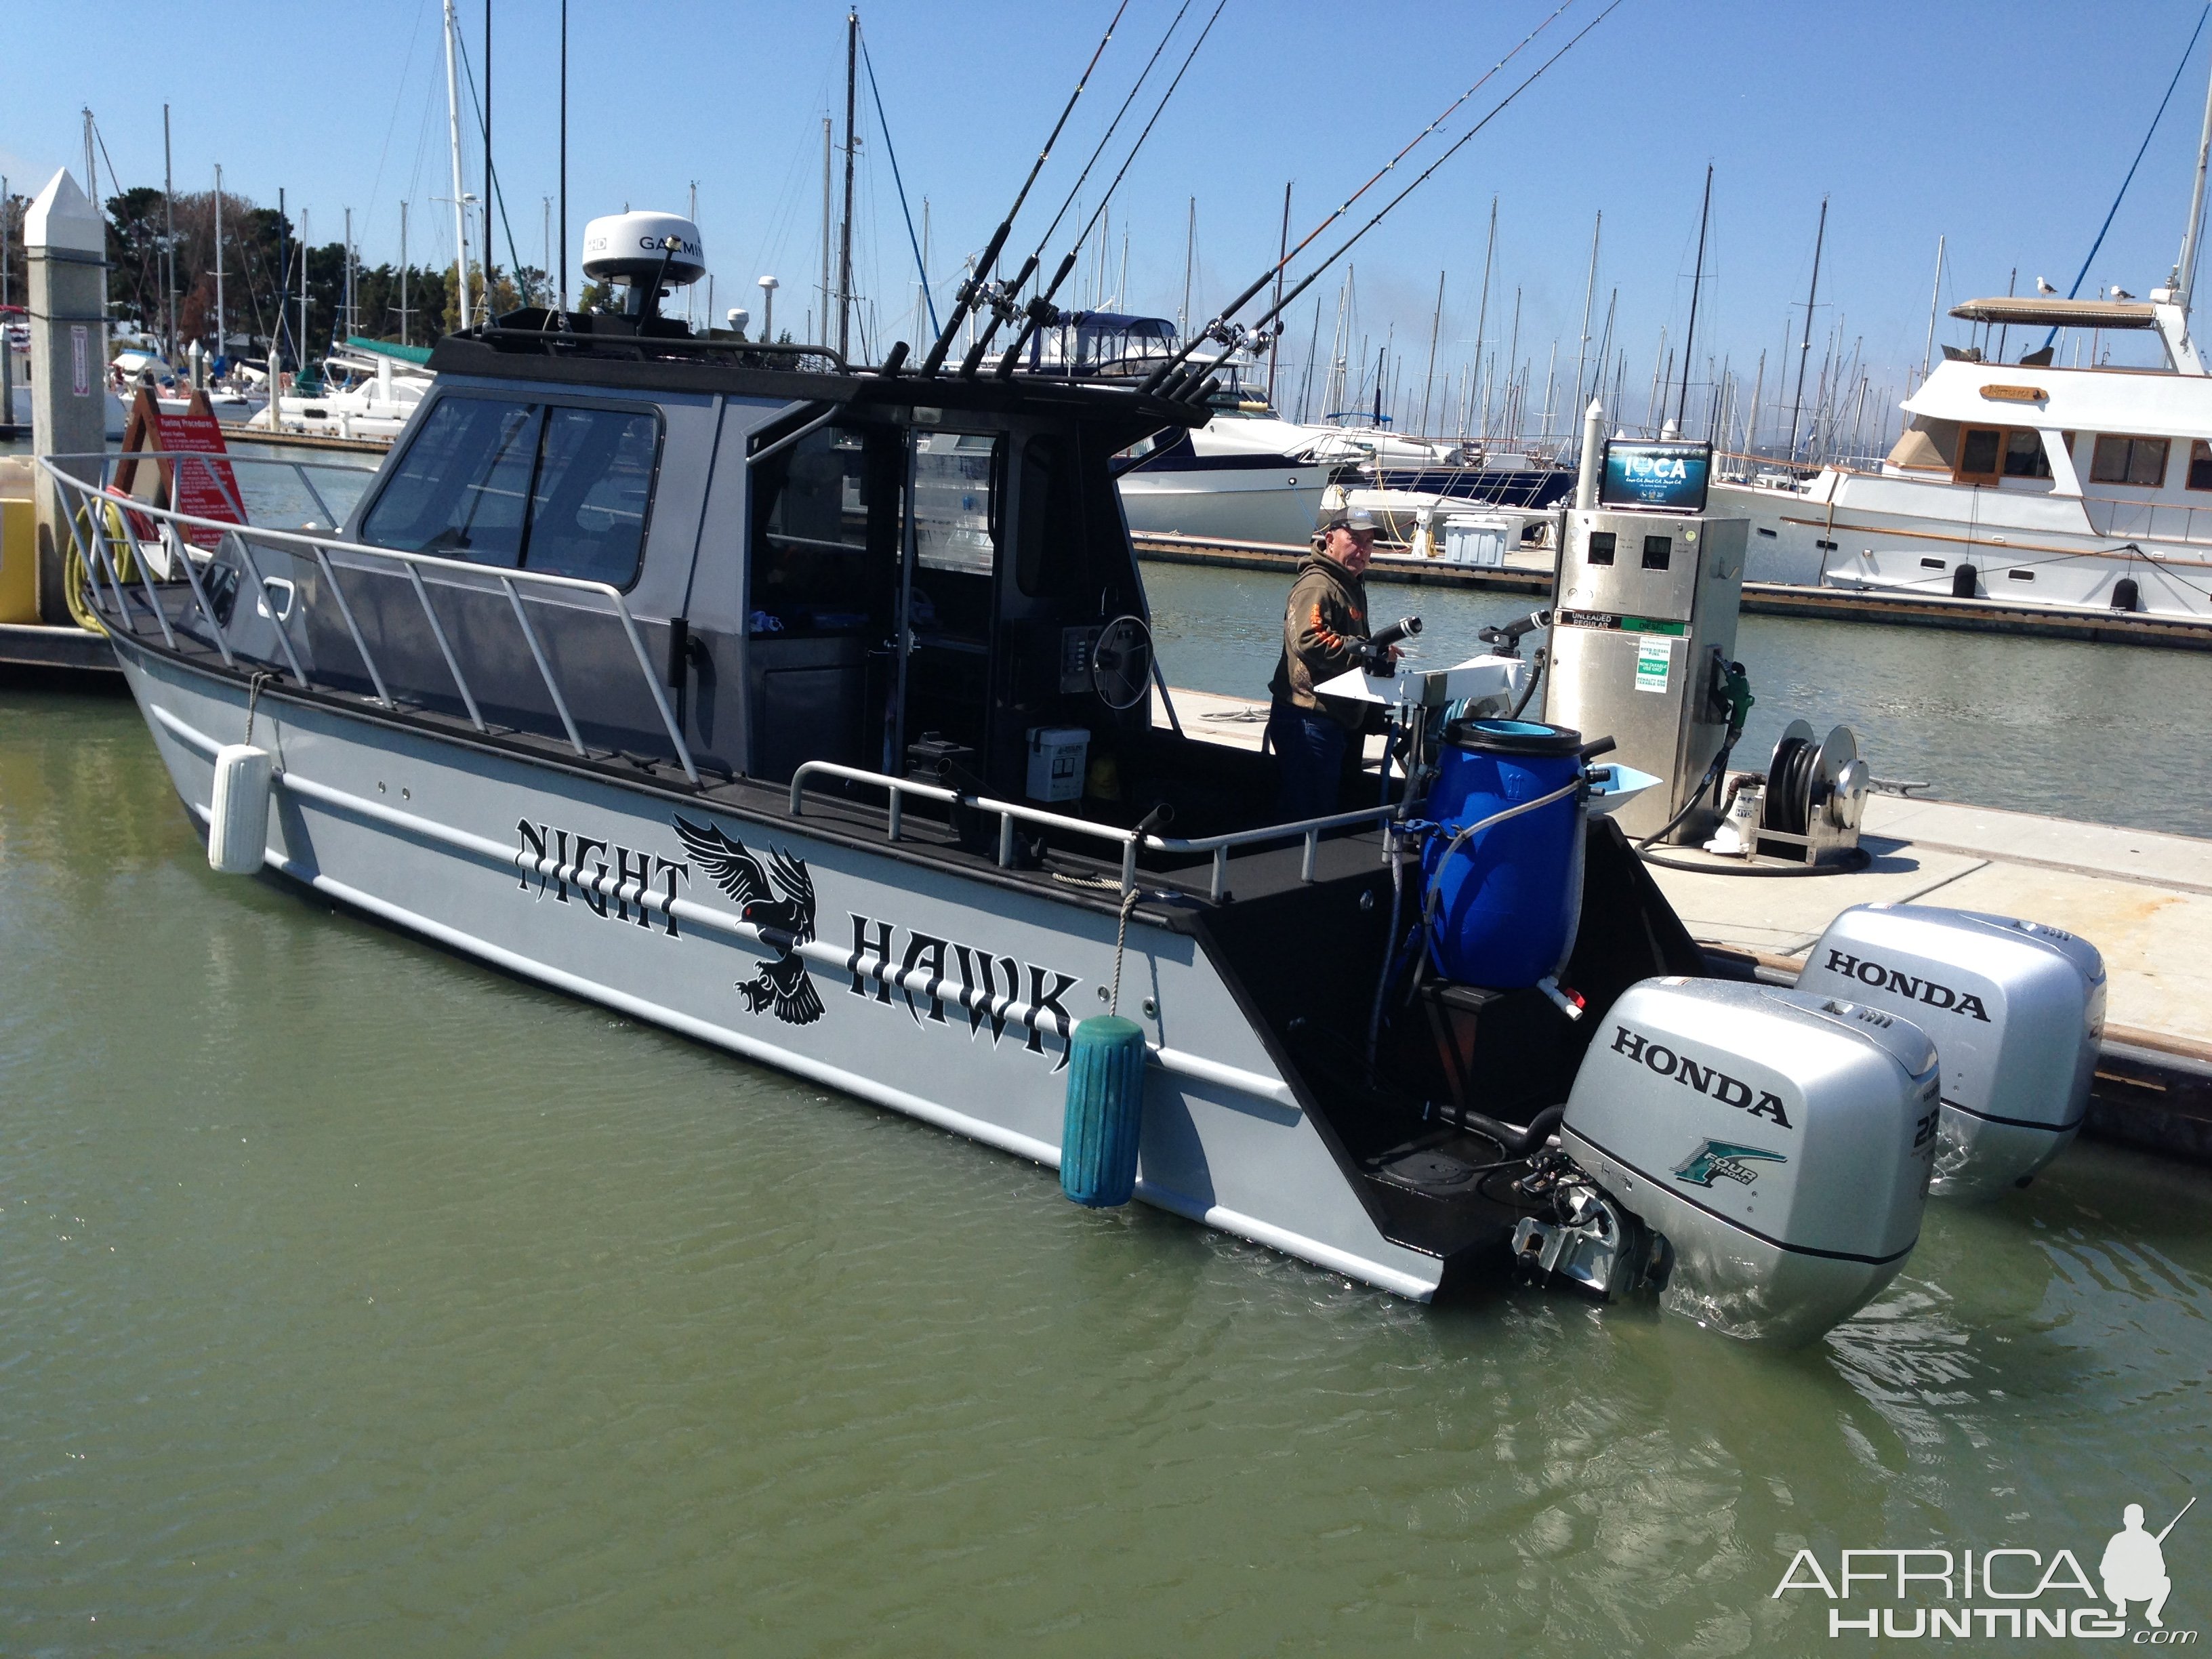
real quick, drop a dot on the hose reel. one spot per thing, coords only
(1815, 794)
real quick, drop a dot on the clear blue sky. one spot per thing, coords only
(2006, 126)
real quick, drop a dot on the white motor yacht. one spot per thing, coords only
(2068, 488)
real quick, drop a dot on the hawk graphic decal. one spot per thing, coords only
(785, 923)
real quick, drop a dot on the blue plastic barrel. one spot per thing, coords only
(1105, 1110)
(1510, 896)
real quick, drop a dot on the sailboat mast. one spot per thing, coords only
(1582, 351)
(220, 333)
(1697, 281)
(1797, 406)
(1435, 327)
(845, 234)
(2184, 268)
(453, 131)
(168, 247)
(484, 251)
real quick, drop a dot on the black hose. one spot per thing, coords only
(1696, 795)
(1535, 678)
(1515, 1143)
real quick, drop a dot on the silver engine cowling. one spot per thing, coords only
(1779, 1144)
(2017, 1012)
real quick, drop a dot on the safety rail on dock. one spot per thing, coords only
(182, 543)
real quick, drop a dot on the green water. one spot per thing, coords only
(355, 1299)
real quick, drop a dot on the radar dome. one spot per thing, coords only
(629, 247)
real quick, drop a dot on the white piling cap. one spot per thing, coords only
(62, 217)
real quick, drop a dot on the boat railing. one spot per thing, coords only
(1126, 842)
(103, 524)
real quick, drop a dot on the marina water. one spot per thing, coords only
(360, 1299)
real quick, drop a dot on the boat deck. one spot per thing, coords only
(2144, 898)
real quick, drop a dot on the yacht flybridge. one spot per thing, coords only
(807, 710)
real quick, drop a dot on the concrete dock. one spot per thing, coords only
(2143, 898)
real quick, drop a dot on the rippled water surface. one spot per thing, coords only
(355, 1299)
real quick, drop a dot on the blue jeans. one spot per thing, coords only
(1311, 747)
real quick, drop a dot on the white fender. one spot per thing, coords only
(238, 817)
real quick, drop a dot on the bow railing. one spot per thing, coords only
(122, 543)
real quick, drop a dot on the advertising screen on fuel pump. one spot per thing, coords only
(1671, 476)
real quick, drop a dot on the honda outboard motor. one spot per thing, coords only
(2016, 1010)
(1764, 1153)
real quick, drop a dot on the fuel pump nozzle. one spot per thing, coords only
(1507, 639)
(1375, 653)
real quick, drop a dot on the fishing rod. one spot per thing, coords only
(1002, 301)
(1344, 207)
(1231, 335)
(968, 291)
(1045, 241)
(1040, 309)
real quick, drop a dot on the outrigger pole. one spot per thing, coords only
(1194, 386)
(964, 300)
(1246, 297)
(1040, 309)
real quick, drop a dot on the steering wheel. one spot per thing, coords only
(1122, 663)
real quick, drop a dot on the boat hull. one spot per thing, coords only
(1279, 502)
(1806, 540)
(947, 996)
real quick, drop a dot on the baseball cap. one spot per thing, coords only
(1356, 518)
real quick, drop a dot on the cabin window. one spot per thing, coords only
(461, 488)
(558, 489)
(1048, 550)
(2140, 462)
(955, 522)
(594, 481)
(1981, 454)
(2200, 465)
(2024, 457)
(811, 572)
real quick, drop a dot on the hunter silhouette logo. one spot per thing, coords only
(2134, 1567)
(785, 923)
(1724, 1160)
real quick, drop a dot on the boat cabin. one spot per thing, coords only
(2038, 426)
(867, 569)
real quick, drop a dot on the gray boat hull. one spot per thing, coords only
(945, 997)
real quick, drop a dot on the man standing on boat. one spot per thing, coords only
(1324, 633)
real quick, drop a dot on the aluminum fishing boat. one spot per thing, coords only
(713, 684)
